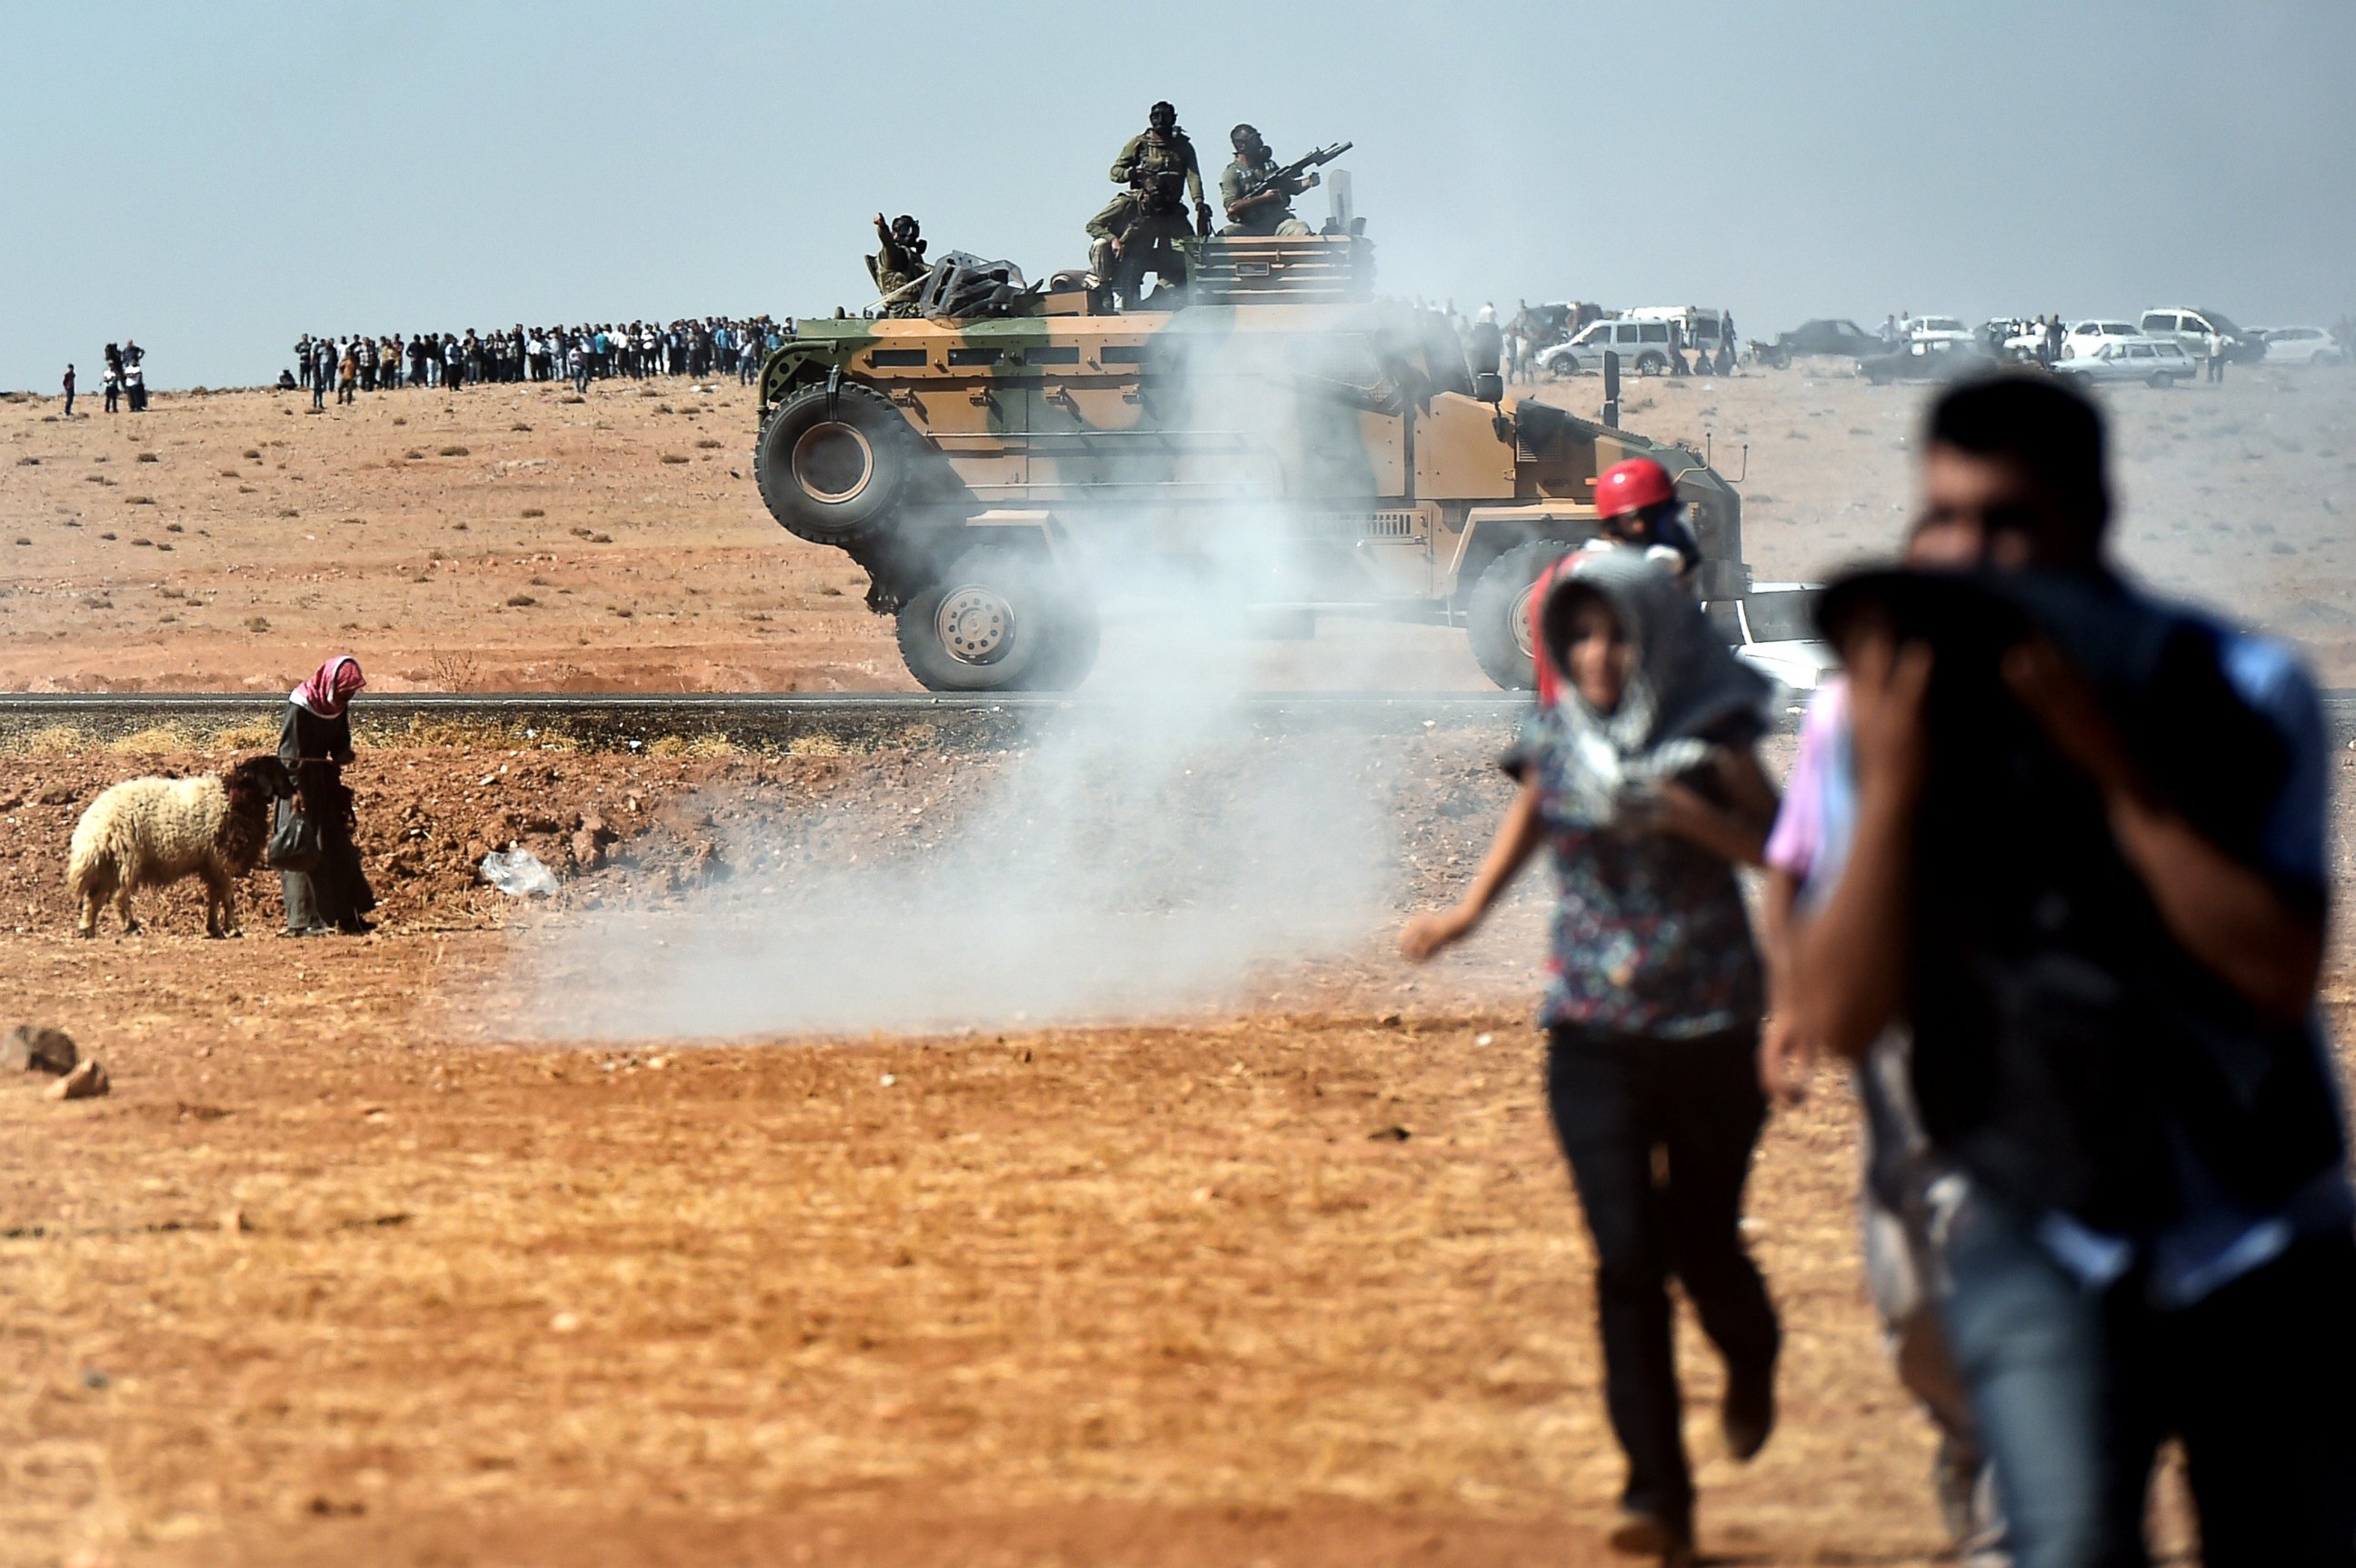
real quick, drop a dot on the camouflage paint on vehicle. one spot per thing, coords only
(1344, 436)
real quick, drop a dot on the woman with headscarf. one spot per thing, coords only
(1638, 770)
(314, 742)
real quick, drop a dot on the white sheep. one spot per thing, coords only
(150, 833)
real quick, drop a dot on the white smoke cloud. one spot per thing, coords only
(1147, 853)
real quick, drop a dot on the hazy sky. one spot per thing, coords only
(214, 179)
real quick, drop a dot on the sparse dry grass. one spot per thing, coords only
(711, 744)
(169, 738)
(50, 740)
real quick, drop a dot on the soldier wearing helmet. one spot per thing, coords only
(1163, 148)
(1636, 506)
(1140, 231)
(1256, 202)
(899, 260)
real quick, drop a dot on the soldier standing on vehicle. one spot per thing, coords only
(899, 260)
(1161, 149)
(1257, 202)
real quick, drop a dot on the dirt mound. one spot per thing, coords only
(617, 825)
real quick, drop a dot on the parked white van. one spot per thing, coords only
(2191, 329)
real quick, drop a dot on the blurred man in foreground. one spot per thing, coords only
(2084, 866)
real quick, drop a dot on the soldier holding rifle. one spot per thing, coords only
(1258, 194)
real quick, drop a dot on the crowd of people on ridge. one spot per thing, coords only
(707, 346)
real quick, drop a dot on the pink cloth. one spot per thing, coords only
(330, 687)
(1812, 795)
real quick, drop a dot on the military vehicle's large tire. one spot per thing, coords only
(1001, 618)
(832, 465)
(1497, 616)
(1071, 651)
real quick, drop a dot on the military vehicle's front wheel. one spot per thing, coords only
(1497, 616)
(1000, 620)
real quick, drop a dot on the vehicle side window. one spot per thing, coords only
(2194, 324)
(2156, 322)
(1656, 331)
(2139, 351)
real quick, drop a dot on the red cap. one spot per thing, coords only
(1632, 485)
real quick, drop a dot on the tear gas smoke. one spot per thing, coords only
(1147, 852)
(1138, 859)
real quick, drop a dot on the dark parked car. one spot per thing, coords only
(1846, 339)
(1936, 360)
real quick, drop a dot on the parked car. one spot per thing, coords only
(1555, 321)
(1939, 330)
(2302, 346)
(2192, 328)
(1643, 347)
(1699, 328)
(2085, 336)
(2156, 362)
(1932, 359)
(1828, 335)
(1774, 631)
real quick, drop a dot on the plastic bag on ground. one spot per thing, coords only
(517, 873)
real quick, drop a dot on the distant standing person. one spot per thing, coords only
(134, 384)
(111, 379)
(2215, 345)
(314, 742)
(69, 391)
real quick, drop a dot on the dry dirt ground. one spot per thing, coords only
(353, 1266)
(510, 538)
(345, 1270)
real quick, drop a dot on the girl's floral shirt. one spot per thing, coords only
(1650, 935)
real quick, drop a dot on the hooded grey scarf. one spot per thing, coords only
(1685, 691)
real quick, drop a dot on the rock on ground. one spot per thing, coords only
(34, 1048)
(87, 1081)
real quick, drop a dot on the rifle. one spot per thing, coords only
(1157, 196)
(1287, 179)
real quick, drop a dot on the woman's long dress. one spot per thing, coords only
(336, 892)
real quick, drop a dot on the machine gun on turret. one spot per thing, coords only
(1287, 179)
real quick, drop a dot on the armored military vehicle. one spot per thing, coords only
(1281, 442)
